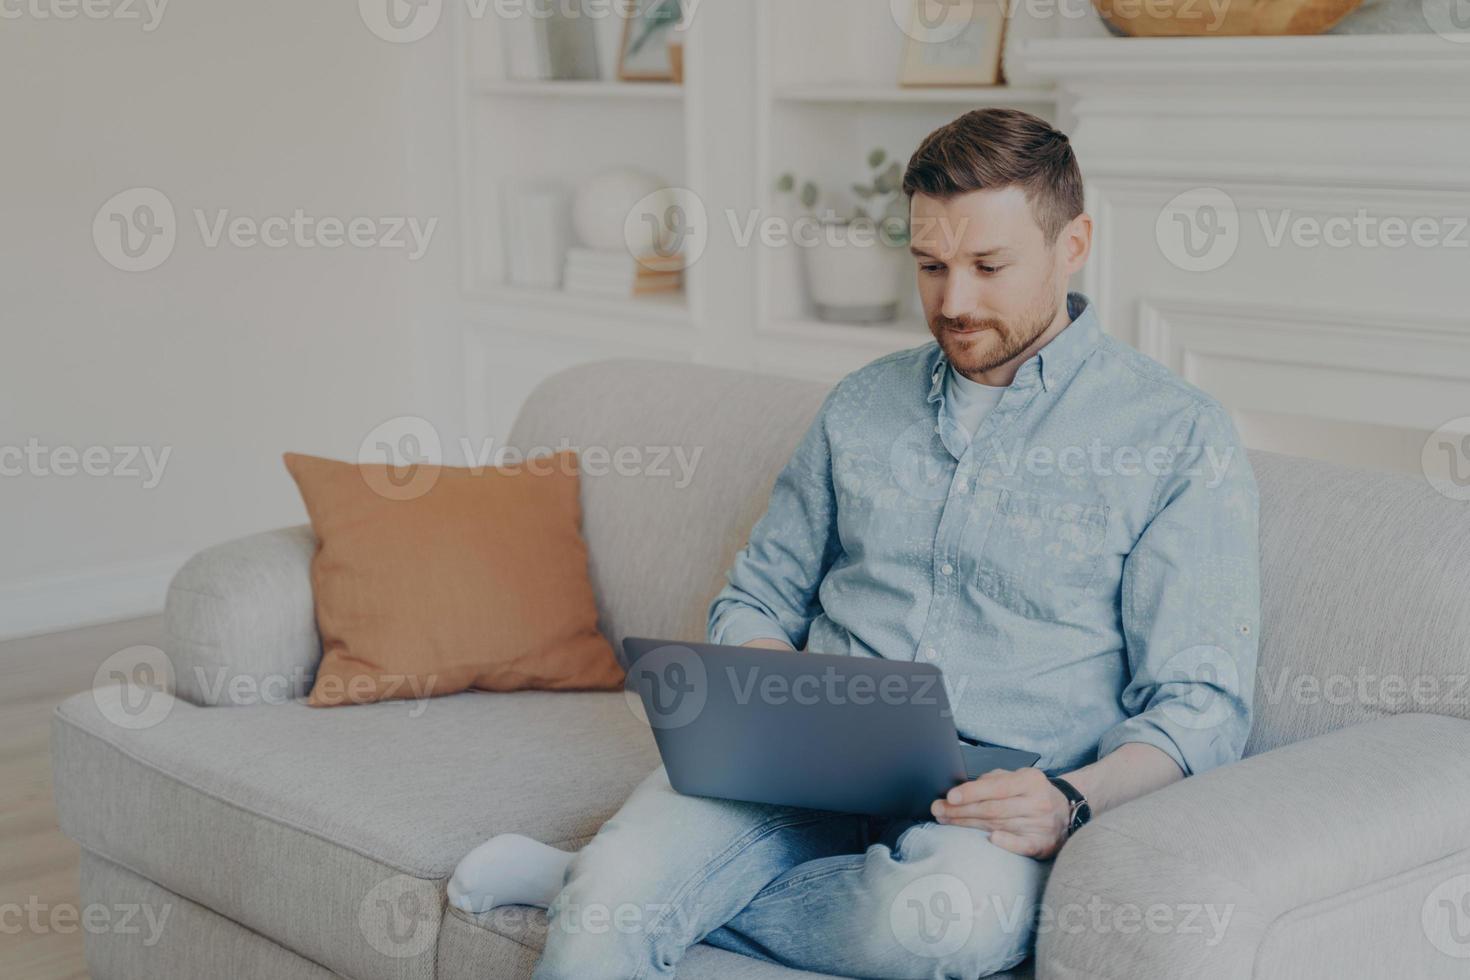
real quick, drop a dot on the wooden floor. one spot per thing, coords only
(38, 866)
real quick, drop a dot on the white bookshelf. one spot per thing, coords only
(820, 109)
(761, 95)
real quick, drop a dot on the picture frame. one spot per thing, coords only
(953, 43)
(645, 54)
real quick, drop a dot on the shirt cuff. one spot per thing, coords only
(739, 626)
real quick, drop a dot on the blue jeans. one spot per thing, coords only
(831, 893)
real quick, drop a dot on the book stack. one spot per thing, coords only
(616, 274)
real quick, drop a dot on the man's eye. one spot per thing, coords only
(931, 269)
(991, 269)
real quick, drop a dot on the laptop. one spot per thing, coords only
(849, 734)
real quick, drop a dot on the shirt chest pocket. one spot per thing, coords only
(1041, 555)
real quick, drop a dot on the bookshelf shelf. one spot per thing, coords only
(655, 91)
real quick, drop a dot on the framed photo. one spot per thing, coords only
(953, 42)
(645, 55)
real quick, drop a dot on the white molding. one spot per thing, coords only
(69, 600)
(1345, 61)
(1388, 367)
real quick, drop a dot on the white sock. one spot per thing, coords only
(508, 869)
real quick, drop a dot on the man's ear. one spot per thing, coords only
(1075, 243)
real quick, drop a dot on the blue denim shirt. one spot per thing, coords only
(1084, 570)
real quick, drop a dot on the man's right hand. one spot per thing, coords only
(768, 644)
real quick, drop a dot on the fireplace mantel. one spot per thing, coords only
(1352, 349)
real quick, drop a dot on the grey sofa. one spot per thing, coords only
(289, 842)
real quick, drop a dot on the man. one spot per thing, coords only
(1064, 527)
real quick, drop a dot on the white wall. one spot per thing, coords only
(224, 356)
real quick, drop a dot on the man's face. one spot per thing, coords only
(990, 283)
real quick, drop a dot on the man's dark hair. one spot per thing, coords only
(988, 149)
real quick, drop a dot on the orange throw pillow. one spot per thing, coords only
(430, 580)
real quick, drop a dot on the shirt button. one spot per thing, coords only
(947, 568)
(932, 653)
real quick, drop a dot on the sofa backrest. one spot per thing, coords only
(1365, 575)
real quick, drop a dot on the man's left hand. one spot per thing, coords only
(1022, 810)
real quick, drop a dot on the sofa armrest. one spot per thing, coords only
(240, 622)
(1320, 858)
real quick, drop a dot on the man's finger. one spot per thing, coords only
(994, 785)
(1002, 809)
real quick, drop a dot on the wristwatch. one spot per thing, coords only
(1078, 810)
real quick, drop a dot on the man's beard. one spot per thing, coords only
(996, 341)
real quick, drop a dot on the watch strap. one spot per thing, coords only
(1078, 809)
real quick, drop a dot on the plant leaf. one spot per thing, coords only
(786, 183)
(876, 158)
(808, 194)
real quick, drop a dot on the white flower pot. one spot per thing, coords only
(855, 279)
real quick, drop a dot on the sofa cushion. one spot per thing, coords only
(332, 832)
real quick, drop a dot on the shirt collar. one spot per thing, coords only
(1055, 363)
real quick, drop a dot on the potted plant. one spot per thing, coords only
(856, 261)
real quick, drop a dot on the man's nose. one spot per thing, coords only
(961, 296)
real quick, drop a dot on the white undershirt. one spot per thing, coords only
(968, 402)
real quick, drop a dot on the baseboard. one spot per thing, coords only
(84, 598)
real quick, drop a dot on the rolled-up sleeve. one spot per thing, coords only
(1191, 603)
(771, 590)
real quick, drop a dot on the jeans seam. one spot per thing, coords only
(754, 835)
(810, 876)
